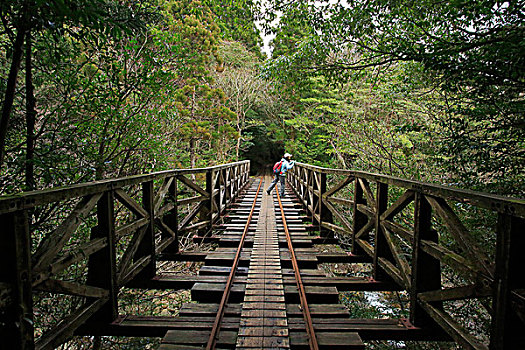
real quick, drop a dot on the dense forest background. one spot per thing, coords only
(425, 90)
(95, 89)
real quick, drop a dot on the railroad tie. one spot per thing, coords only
(263, 322)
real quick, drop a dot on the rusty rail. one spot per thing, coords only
(220, 312)
(312, 339)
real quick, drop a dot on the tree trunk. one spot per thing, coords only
(193, 156)
(30, 118)
(10, 90)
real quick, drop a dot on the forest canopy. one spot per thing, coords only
(427, 90)
(95, 89)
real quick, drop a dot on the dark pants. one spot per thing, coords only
(281, 178)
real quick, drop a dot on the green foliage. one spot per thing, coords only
(470, 51)
(236, 22)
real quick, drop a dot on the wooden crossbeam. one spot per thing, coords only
(193, 185)
(456, 293)
(399, 257)
(461, 234)
(161, 194)
(71, 288)
(400, 204)
(365, 186)
(347, 225)
(69, 259)
(340, 185)
(65, 329)
(130, 203)
(54, 242)
(130, 251)
(453, 328)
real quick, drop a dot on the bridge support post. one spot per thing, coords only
(220, 198)
(206, 213)
(381, 249)
(172, 219)
(102, 264)
(360, 219)
(508, 321)
(146, 247)
(16, 308)
(426, 270)
(325, 215)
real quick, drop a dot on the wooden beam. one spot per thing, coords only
(193, 186)
(191, 215)
(169, 225)
(143, 244)
(16, 317)
(71, 288)
(507, 327)
(381, 248)
(360, 219)
(340, 185)
(69, 259)
(131, 251)
(12, 203)
(130, 203)
(454, 329)
(426, 269)
(102, 271)
(54, 242)
(456, 293)
(132, 227)
(337, 200)
(461, 234)
(400, 204)
(66, 328)
(159, 197)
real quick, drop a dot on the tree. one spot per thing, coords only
(471, 50)
(235, 19)
(245, 89)
(21, 18)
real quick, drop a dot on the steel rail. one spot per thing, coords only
(312, 339)
(212, 340)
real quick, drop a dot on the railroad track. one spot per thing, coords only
(266, 292)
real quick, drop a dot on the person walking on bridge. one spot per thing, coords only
(279, 170)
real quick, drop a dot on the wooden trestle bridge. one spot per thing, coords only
(261, 288)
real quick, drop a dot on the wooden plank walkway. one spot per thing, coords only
(263, 322)
(263, 309)
(264, 297)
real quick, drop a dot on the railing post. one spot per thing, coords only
(147, 244)
(316, 193)
(102, 264)
(507, 327)
(220, 198)
(381, 249)
(16, 308)
(207, 210)
(311, 193)
(360, 219)
(325, 215)
(426, 270)
(172, 219)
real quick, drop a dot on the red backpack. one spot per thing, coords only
(277, 167)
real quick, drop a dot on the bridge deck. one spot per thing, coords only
(263, 309)
(413, 236)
